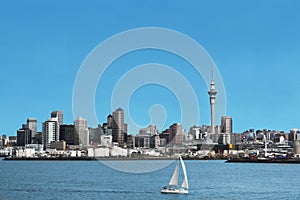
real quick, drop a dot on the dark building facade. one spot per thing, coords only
(130, 141)
(24, 136)
(118, 127)
(165, 136)
(68, 134)
(37, 139)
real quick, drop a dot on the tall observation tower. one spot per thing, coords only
(212, 96)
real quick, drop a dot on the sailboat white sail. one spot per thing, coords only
(173, 184)
(174, 179)
(185, 183)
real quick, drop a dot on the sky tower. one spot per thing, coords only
(212, 96)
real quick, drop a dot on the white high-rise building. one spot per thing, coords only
(50, 132)
(81, 128)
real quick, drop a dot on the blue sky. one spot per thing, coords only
(255, 44)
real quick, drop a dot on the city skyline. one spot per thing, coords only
(40, 56)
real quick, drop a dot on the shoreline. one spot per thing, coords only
(100, 158)
(274, 161)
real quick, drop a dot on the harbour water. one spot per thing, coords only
(93, 180)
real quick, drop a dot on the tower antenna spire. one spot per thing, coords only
(212, 96)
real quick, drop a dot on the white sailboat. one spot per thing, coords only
(173, 184)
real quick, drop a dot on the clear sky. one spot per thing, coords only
(255, 45)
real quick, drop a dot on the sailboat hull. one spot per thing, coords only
(173, 184)
(174, 191)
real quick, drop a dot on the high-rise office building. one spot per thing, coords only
(175, 134)
(110, 121)
(32, 125)
(50, 132)
(226, 124)
(107, 127)
(118, 126)
(125, 133)
(59, 115)
(150, 130)
(81, 128)
(24, 135)
(95, 135)
(68, 134)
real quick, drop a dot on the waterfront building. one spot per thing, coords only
(278, 138)
(164, 137)
(101, 152)
(224, 138)
(24, 135)
(58, 145)
(67, 133)
(106, 130)
(106, 140)
(150, 131)
(147, 141)
(110, 121)
(155, 141)
(176, 134)
(162, 142)
(107, 127)
(297, 148)
(32, 125)
(118, 126)
(4, 140)
(37, 139)
(50, 132)
(125, 133)
(293, 134)
(148, 137)
(142, 141)
(226, 124)
(205, 129)
(81, 128)
(226, 130)
(217, 129)
(130, 142)
(95, 134)
(59, 115)
(195, 132)
(212, 97)
(12, 140)
(116, 151)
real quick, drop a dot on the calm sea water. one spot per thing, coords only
(93, 180)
